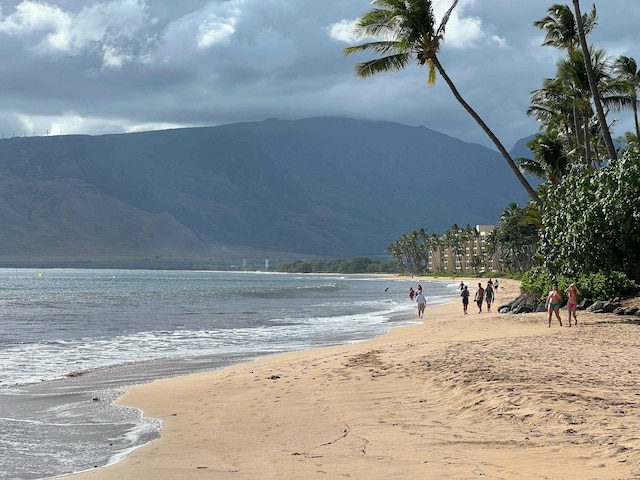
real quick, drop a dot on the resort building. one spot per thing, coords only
(466, 253)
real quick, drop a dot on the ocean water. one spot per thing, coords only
(69, 339)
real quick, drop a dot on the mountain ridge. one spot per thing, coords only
(325, 187)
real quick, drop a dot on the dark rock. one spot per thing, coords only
(610, 306)
(585, 303)
(596, 307)
(522, 304)
(601, 306)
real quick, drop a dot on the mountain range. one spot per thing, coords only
(311, 188)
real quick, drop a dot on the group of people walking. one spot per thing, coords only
(419, 297)
(482, 295)
(486, 295)
(554, 299)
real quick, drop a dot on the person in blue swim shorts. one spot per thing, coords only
(553, 303)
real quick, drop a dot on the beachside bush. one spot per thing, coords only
(538, 282)
(595, 286)
(592, 221)
(604, 286)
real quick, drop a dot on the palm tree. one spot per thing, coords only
(516, 239)
(554, 108)
(564, 103)
(593, 84)
(568, 31)
(395, 249)
(437, 252)
(410, 34)
(422, 249)
(549, 160)
(489, 250)
(561, 27)
(627, 70)
(573, 76)
(455, 241)
(469, 234)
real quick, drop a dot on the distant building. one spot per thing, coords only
(473, 255)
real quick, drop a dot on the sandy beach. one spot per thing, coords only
(484, 396)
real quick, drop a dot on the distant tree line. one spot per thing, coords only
(354, 265)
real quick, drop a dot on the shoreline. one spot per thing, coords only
(481, 395)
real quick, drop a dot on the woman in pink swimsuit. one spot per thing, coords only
(572, 305)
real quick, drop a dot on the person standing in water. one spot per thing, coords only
(553, 303)
(572, 304)
(412, 293)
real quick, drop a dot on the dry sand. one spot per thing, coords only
(481, 396)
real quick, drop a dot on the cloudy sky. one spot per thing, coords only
(112, 66)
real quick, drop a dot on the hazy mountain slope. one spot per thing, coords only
(320, 186)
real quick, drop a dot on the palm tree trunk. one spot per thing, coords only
(532, 193)
(587, 140)
(578, 125)
(597, 100)
(635, 117)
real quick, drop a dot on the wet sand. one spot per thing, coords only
(484, 396)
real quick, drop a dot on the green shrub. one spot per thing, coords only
(595, 286)
(603, 286)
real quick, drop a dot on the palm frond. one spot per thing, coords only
(384, 64)
(619, 102)
(445, 19)
(374, 23)
(381, 47)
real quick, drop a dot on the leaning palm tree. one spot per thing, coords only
(593, 84)
(409, 33)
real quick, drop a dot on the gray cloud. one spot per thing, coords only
(72, 66)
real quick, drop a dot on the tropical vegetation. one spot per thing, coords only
(583, 223)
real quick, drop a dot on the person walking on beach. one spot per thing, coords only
(553, 303)
(422, 303)
(465, 299)
(572, 304)
(479, 298)
(488, 295)
(412, 293)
